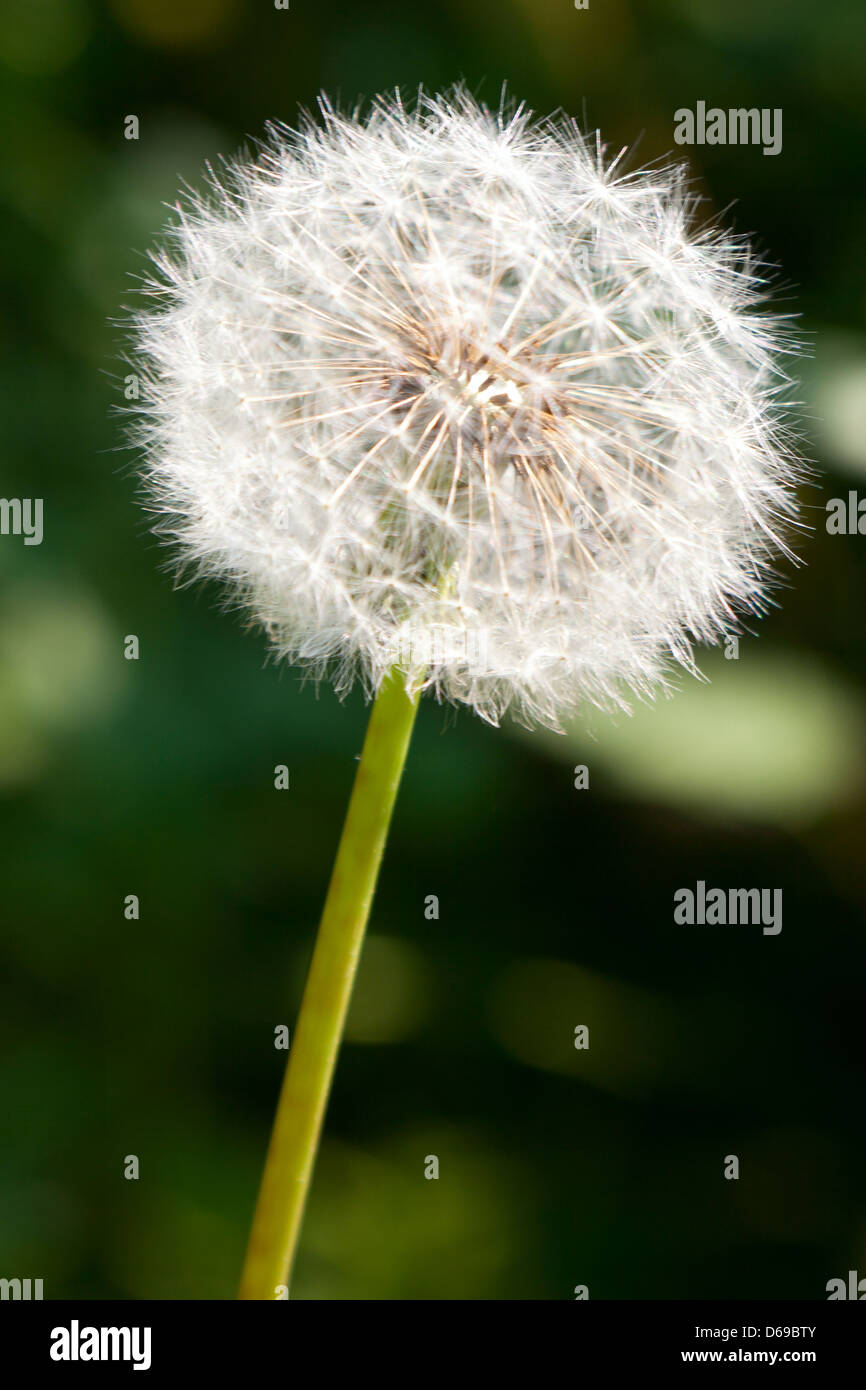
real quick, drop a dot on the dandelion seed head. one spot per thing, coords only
(447, 386)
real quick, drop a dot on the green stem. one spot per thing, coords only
(313, 1053)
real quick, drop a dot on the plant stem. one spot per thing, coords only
(313, 1054)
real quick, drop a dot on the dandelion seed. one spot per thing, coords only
(449, 342)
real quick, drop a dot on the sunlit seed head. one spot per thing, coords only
(446, 372)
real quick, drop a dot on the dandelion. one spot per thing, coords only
(452, 402)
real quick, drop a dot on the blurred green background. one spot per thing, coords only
(155, 1037)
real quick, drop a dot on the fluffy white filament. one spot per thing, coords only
(441, 385)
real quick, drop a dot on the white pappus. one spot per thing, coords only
(441, 384)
